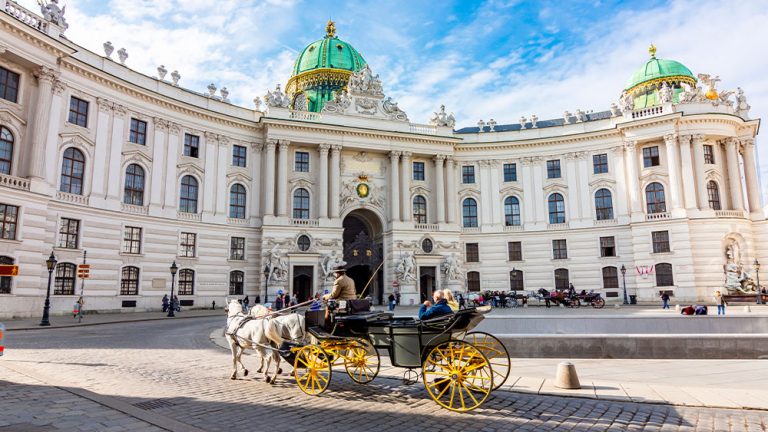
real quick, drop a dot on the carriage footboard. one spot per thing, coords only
(287, 353)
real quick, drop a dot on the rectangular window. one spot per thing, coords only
(237, 248)
(651, 157)
(515, 251)
(239, 156)
(302, 162)
(472, 252)
(418, 171)
(187, 245)
(468, 174)
(8, 219)
(510, 172)
(559, 249)
(553, 169)
(138, 133)
(132, 240)
(69, 233)
(600, 163)
(6, 282)
(660, 241)
(191, 145)
(607, 246)
(709, 154)
(78, 112)
(9, 85)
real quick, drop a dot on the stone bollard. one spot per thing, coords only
(566, 377)
(677, 308)
(747, 308)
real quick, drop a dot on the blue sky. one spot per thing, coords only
(485, 59)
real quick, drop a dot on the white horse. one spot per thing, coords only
(259, 333)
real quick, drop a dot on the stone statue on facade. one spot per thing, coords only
(277, 267)
(492, 125)
(53, 13)
(364, 96)
(742, 107)
(363, 82)
(627, 102)
(737, 280)
(406, 268)
(665, 93)
(276, 98)
(724, 98)
(122, 54)
(329, 262)
(341, 101)
(441, 118)
(108, 48)
(451, 267)
(390, 107)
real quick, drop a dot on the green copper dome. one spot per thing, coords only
(646, 81)
(321, 69)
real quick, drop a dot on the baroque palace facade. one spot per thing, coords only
(141, 173)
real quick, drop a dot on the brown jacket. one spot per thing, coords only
(343, 289)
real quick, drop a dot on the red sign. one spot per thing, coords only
(395, 284)
(9, 270)
(84, 271)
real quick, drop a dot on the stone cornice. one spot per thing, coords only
(35, 37)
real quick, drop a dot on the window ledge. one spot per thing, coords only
(67, 250)
(662, 253)
(131, 255)
(178, 257)
(13, 241)
(559, 259)
(241, 261)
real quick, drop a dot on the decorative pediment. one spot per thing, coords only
(137, 156)
(189, 168)
(555, 186)
(238, 177)
(419, 190)
(712, 174)
(508, 190)
(301, 182)
(9, 117)
(365, 98)
(653, 177)
(656, 172)
(76, 138)
(469, 191)
(602, 182)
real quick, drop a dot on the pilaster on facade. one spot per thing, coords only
(46, 77)
(405, 186)
(734, 175)
(269, 178)
(335, 181)
(394, 186)
(439, 203)
(750, 175)
(673, 173)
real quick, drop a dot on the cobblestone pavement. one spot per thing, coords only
(167, 374)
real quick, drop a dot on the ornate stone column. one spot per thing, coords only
(323, 207)
(734, 175)
(394, 186)
(256, 179)
(750, 174)
(45, 78)
(670, 142)
(335, 180)
(686, 162)
(439, 188)
(269, 178)
(405, 187)
(633, 185)
(451, 189)
(698, 162)
(282, 179)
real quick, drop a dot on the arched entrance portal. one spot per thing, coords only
(363, 252)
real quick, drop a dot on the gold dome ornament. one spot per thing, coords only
(363, 190)
(330, 29)
(652, 50)
(711, 94)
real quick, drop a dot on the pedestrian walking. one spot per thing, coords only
(246, 302)
(391, 302)
(279, 300)
(721, 303)
(165, 303)
(462, 302)
(294, 300)
(665, 300)
(397, 297)
(175, 304)
(77, 311)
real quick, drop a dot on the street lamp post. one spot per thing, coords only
(757, 276)
(50, 264)
(174, 269)
(624, 282)
(266, 284)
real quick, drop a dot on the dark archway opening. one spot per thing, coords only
(363, 253)
(302, 282)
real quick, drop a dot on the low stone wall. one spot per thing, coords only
(638, 346)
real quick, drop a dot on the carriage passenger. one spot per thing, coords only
(452, 303)
(440, 308)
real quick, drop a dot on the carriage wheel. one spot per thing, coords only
(496, 353)
(362, 361)
(457, 376)
(599, 303)
(312, 370)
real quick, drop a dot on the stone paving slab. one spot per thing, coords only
(61, 321)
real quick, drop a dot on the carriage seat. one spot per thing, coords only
(365, 318)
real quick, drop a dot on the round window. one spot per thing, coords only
(303, 243)
(426, 245)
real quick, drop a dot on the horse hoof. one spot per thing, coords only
(245, 372)
(279, 371)
(233, 377)
(273, 382)
(268, 379)
(259, 371)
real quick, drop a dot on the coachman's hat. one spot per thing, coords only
(339, 270)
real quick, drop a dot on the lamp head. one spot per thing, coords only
(623, 269)
(266, 270)
(757, 265)
(50, 263)
(174, 268)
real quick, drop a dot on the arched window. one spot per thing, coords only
(511, 211)
(610, 277)
(419, 209)
(603, 204)
(237, 201)
(186, 282)
(301, 204)
(6, 281)
(236, 282)
(129, 281)
(713, 192)
(556, 209)
(562, 279)
(516, 280)
(654, 198)
(664, 275)
(473, 281)
(134, 185)
(64, 284)
(188, 197)
(72, 171)
(469, 212)
(6, 151)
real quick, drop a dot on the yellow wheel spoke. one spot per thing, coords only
(453, 393)
(461, 398)
(322, 377)
(470, 394)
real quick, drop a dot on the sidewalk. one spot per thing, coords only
(740, 384)
(60, 321)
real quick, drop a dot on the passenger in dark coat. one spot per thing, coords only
(440, 308)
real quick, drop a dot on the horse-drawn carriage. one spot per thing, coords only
(459, 368)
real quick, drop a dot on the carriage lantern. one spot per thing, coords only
(757, 276)
(50, 264)
(624, 282)
(174, 269)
